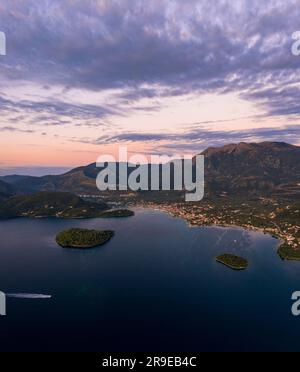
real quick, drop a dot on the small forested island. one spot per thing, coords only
(232, 261)
(83, 238)
(113, 213)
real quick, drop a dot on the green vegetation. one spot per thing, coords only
(232, 261)
(82, 238)
(288, 252)
(51, 204)
(117, 213)
(6, 191)
(59, 205)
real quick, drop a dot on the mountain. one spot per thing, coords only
(75, 181)
(6, 190)
(11, 179)
(47, 204)
(235, 169)
(268, 167)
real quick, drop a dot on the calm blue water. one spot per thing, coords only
(154, 287)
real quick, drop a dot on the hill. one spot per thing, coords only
(51, 204)
(6, 191)
(256, 168)
(268, 168)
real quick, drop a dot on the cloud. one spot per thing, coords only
(47, 110)
(13, 129)
(197, 139)
(132, 51)
(185, 46)
(280, 101)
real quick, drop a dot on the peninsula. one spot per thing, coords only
(117, 213)
(59, 205)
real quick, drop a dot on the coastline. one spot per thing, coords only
(281, 241)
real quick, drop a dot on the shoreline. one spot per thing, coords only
(281, 241)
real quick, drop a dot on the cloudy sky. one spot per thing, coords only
(161, 76)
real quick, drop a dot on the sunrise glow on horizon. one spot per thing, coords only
(166, 78)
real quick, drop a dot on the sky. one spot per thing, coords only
(82, 77)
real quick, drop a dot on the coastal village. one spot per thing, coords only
(270, 216)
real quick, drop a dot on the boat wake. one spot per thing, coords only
(28, 295)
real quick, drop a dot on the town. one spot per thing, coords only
(276, 217)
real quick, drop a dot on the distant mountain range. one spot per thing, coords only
(235, 169)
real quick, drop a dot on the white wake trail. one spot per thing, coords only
(28, 295)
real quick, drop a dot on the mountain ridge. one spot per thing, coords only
(242, 168)
(51, 204)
